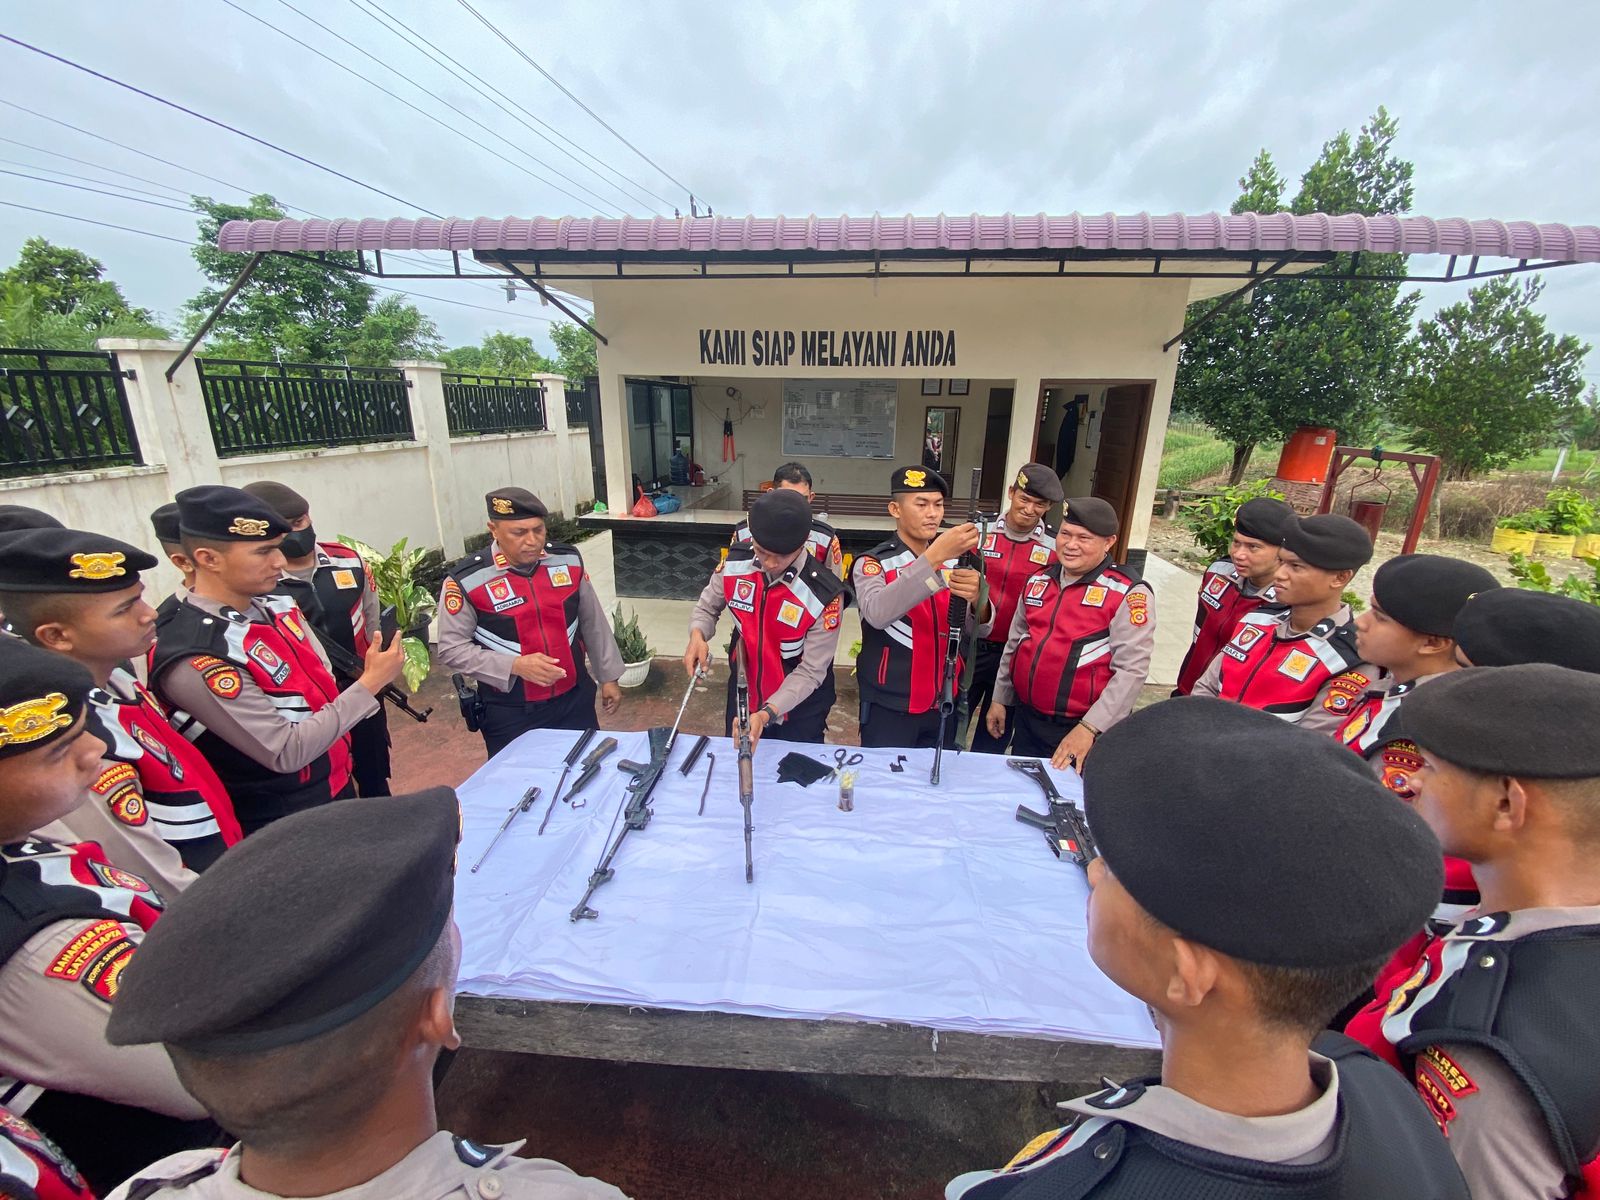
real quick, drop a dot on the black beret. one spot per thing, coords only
(42, 695)
(165, 522)
(284, 500)
(1510, 625)
(297, 930)
(215, 513)
(1531, 721)
(514, 503)
(1328, 541)
(68, 560)
(20, 516)
(1040, 482)
(1267, 842)
(918, 479)
(1091, 513)
(1264, 518)
(780, 521)
(1425, 592)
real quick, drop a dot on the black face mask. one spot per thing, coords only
(299, 543)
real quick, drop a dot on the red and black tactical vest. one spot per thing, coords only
(820, 543)
(901, 665)
(338, 583)
(282, 661)
(1264, 667)
(1063, 662)
(1222, 605)
(1007, 564)
(32, 1167)
(1528, 999)
(523, 612)
(183, 795)
(774, 619)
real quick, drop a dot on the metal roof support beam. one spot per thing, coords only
(1226, 300)
(239, 280)
(511, 266)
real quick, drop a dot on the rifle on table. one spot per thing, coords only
(1065, 829)
(584, 739)
(741, 738)
(952, 694)
(635, 812)
(521, 806)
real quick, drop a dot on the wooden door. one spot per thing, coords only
(996, 431)
(1122, 434)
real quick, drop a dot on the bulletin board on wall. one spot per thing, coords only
(839, 418)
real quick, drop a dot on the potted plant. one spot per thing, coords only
(1517, 534)
(635, 649)
(395, 576)
(1570, 514)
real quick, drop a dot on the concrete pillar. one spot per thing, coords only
(555, 420)
(169, 417)
(430, 426)
(1024, 426)
(619, 442)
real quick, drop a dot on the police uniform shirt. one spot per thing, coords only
(442, 1167)
(1132, 644)
(883, 603)
(248, 720)
(816, 652)
(371, 610)
(114, 816)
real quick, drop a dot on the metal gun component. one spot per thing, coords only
(572, 757)
(521, 806)
(695, 751)
(1065, 829)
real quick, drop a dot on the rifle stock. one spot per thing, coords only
(1065, 829)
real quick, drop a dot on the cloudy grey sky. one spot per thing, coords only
(802, 106)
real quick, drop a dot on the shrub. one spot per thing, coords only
(1210, 521)
(1533, 576)
(631, 642)
(1570, 512)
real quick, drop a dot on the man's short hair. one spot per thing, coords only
(792, 472)
(26, 611)
(1305, 999)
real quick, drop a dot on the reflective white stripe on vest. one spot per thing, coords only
(58, 870)
(900, 631)
(898, 562)
(18, 1096)
(484, 638)
(478, 578)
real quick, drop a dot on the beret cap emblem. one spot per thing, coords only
(249, 527)
(96, 566)
(503, 506)
(916, 478)
(30, 720)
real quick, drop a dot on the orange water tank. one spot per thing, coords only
(1307, 455)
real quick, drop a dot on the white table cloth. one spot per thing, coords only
(931, 906)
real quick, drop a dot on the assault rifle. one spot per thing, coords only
(345, 664)
(952, 691)
(1065, 829)
(741, 738)
(635, 812)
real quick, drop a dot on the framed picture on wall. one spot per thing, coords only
(939, 429)
(930, 387)
(960, 387)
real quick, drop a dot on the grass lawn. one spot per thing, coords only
(1188, 458)
(1544, 461)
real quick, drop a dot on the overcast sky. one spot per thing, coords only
(795, 107)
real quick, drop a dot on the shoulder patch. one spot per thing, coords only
(118, 785)
(223, 679)
(1038, 1148)
(454, 600)
(1344, 691)
(1138, 608)
(85, 948)
(870, 566)
(103, 977)
(830, 614)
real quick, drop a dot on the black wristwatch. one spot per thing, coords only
(772, 713)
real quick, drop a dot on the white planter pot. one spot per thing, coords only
(633, 674)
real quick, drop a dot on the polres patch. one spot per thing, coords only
(1138, 608)
(871, 566)
(86, 945)
(1345, 691)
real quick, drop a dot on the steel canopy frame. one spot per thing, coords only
(1427, 481)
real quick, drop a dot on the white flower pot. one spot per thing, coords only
(633, 674)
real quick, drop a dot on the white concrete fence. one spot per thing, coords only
(428, 489)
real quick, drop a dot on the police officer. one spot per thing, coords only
(19, 516)
(1236, 585)
(520, 617)
(1078, 649)
(157, 799)
(903, 588)
(1020, 546)
(245, 664)
(822, 543)
(1495, 1022)
(1508, 626)
(1201, 906)
(164, 522)
(1300, 662)
(70, 922)
(322, 1065)
(331, 584)
(786, 607)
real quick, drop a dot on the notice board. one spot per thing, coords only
(839, 418)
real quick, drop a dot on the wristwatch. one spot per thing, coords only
(772, 713)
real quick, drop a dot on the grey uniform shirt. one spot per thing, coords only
(133, 845)
(816, 653)
(461, 649)
(881, 604)
(440, 1167)
(1131, 648)
(249, 721)
(371, 610)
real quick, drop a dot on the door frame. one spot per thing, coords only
(1141, 438)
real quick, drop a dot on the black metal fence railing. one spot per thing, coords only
(477, 404)
(577, 407)
(256, 407)
(63, 410)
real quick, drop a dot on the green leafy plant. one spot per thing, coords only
(1534, 520)
(1569, 510)
(395, 576)
(1536, 577)
(855, 653)
(631, 642)
(1210, 521)
(1354, 600)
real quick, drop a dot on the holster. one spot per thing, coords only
(469, 700)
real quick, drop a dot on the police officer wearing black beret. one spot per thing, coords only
(1495, 1021)
(303, 992)
(164, 524)
(1512, 625)
(1201, 906)
(521, 618)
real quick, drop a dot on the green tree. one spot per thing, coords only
(393, 330)
(576, 352)
(501, 353)
(68, 282)
(1491, 383)
(1309, 353)
(292, 308)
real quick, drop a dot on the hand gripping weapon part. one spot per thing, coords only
(741, 737)
(1065, 829)
(635, 812)
(952, 696)
(521, 806)
(584, 739)
(347, 666)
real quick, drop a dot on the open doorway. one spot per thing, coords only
(1093, 433)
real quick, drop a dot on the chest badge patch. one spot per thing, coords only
(1245, 637)
(1039, 555)
(502, 595)
(267, 659)
(1094, 597)
(744, 591)
(1297, 666)
(560, 577)
(1036, 590)
(344, 579)
(1215, 586)
(790, 613)
(989, 541)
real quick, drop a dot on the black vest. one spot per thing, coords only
(1386, 1145)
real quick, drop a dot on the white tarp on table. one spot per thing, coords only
(931, 906)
